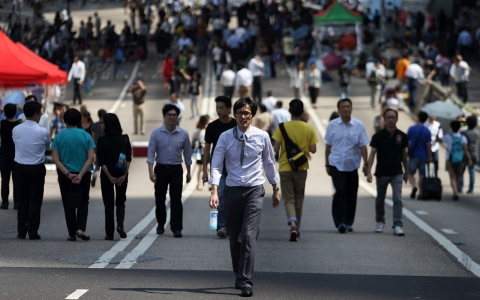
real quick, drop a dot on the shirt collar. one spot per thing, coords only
(163, 128)
(247, 133)
(341, 122)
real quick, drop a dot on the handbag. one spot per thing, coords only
(412, 150)
(197, 150)
(296, 157)
(121, 165)
(74, 199)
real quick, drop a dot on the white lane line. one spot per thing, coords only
(107, 257)
(131, 258)
(449, 231)
(213, 94)
(206, 92)
(461, 256)
(421, 212)
(77, 294)
(120, 98)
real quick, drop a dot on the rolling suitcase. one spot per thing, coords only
(431, 185)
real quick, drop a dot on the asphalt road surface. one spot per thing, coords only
(436, 259)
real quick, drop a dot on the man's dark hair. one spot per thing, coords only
(388, 110)
(169, 107)
(270, 93)
(30, 98)
(472, 122)
(112, 124)
(279, 104)
(422, 116)
(225, 100)
(344, 100)
(240, 65)
(455, 125)
(10, 110)
(240, 103)
(72, 117)
(31, 108)
(296, 108)
(101, 113)
(262, 107)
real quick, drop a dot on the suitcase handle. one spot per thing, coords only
(427, 170)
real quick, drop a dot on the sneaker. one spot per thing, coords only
(342, 228)
(470, 192)
(293, 234)
(349, 228)
(398, 230)
(414, 192)
(379, 228)
(222, 232)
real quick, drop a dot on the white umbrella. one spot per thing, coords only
(444, 110)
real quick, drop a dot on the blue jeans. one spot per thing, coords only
(221, 219)
(471, 171)
(118, 65)
(382, 185)
(88, 85)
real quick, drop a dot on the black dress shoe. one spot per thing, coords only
(247, 292)
(21, 236)
(83, 236)
(109, 238)
(4, 206)
(160, 230)
(177, 234)
(34, 237)
(121, 232)
(72, 238)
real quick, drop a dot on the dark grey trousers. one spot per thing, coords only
(243, 209)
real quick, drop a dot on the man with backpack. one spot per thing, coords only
(457, 150)
(303, 136)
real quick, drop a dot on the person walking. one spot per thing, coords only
(279, 115)
(297, 80)
(243, 150)
(344, 73)
(98, 130)
(119, 56)
(43, 119)
(198, 145)
(460, 71)
(77, 72)
(195, 88)
(31, 141)
(227, 80)
(270, 102)
(263, 120)
(73, 153)
(293, 182)
(7, 154)
(436, 131)
(472, 136)
(243, 81)
(314, 83)
(346, 143)
(419, 152)
(138, 90)
(457, 154)
(166, 145)
(212, 134)
(114, 155)
(256, 66)
(390, 146)
(413, 73)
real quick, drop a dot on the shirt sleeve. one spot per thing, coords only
(328, 135)
(313, 137)
(187, 149)
(277, 135)
(55, 143)
(269, 161)
(152, 147)
(363, 137)
(374, 141)
(128, 148)
(217, 161)
(208, 135)
(91, 144)
(48, 141)
(404, 141)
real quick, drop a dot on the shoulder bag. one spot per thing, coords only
(296, 157)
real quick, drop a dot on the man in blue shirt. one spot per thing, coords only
(244, 149)
(165, 148)
(419, 151)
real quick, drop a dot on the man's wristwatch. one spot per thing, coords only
(276, 189)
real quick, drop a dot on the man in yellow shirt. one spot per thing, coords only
(293, 183)
(402, 66)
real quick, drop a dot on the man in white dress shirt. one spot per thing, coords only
(43, 118)
(243, 81)
(413, 73)
(244, 149)
(460, 71)
(270, 102)
(31, 141)
(346, 143)
(77, 72)
(228, 81)
(255, 65)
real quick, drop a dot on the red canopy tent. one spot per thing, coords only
(19, 66)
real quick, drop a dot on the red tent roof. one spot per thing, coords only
(19, 66)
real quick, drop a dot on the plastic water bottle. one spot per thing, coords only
(213, 219)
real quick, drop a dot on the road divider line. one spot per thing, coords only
(461, 256)
(131, 258)
(120, 98)
(421, 212)
(76, 295)
(449, 231)
(206, 92)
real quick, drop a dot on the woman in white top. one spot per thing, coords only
(297, 80)
(198, 143)
(314, 82)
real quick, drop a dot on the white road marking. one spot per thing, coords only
(461, 256)
(212, 111)
(124, 90)
(206, 92)
(325, 122)
(77, 294)
(449, 231)
(147, 241)
(421, 212)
